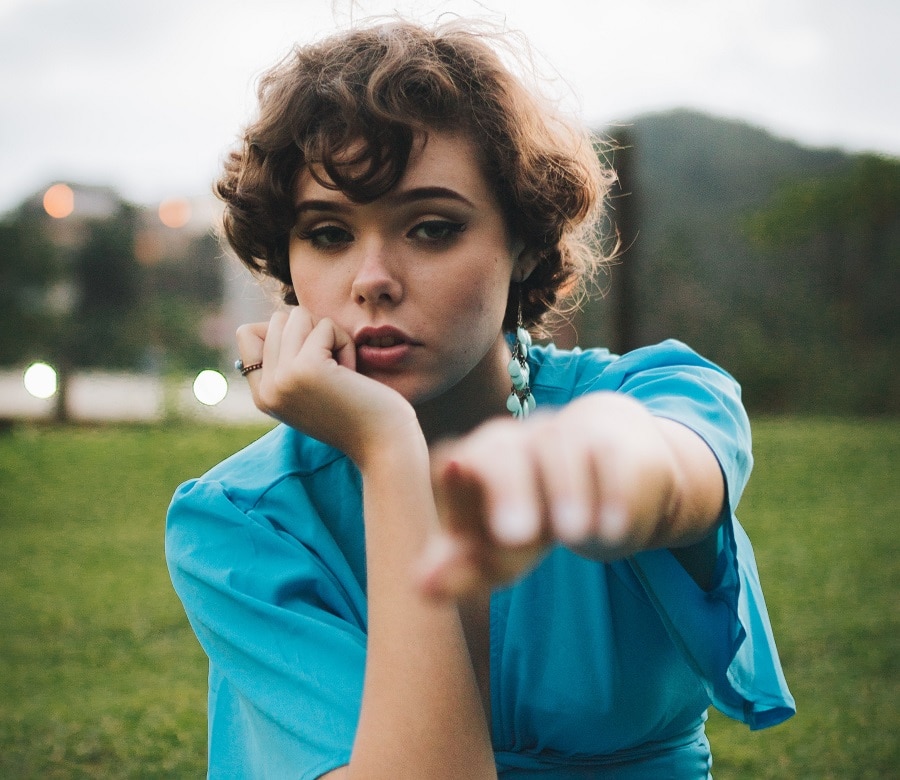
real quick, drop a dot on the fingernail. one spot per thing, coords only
(570, 519)
(514, 524)
(430, 569)
(438, 551)
(613, 522)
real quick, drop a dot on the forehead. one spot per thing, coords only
(438, 159)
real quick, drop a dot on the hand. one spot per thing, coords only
(598, 475)
(309, 381)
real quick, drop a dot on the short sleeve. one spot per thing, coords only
(724, 633)
(284, 629)
(673, 381)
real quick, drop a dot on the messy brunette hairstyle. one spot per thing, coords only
(385, 85)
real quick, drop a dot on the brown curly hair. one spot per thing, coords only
(384, 85)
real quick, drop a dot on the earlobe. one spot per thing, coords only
(525, 263)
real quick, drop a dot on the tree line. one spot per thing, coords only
(781, 263)
(79, 296)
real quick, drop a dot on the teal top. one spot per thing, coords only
(595, 668)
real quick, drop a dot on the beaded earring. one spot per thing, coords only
(520, 402)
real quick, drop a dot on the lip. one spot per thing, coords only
(382, 348)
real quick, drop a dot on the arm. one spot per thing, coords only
(701, 488)
(726, 639)
(421, 714)
(602, 475)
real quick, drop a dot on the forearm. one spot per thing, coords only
(602, 475)
(421, 713)
(698, 492)
(698, 499)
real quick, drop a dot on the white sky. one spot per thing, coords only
(147, 95)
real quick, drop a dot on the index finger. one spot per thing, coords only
(488, 479)
(250, 338)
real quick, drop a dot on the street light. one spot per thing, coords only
(40, 380)
(59, 201)
(210, 387)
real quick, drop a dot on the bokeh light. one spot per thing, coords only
(210, 387)
(40, 380)
(59, 201)
(175, 212)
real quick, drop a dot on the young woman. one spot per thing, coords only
(460, 555)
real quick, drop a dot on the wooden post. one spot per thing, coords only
(624, 295)
(63, 375)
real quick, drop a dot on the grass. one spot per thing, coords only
(822, 509)
(101, 676)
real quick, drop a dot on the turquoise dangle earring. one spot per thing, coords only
(520, 402)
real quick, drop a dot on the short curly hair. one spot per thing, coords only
(383, 86)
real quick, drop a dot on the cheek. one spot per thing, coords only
(495, 288)
(478, 306)
(315, 289)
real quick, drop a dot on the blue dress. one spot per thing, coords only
(597, 670)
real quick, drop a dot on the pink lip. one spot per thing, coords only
(382, 349)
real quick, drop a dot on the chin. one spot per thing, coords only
(412, 390)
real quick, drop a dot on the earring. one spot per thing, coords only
(520, 402)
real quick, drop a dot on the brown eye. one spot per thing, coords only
(437, 230)
(326, 237)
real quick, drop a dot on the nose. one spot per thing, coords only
(376, 280)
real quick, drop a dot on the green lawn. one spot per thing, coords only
(823, 509)
(101, 676)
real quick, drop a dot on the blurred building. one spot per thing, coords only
(168, 233)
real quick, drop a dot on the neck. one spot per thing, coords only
(478, 397)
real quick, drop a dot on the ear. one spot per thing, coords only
(525, 263)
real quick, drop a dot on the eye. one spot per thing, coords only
(326, 236)
(436, 230)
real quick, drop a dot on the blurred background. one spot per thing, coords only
(758, 149)
(759, 204)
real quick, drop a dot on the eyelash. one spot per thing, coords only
(448, 228)
(316, 235)
(334, 236)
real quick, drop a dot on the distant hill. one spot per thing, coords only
(692, 184)
(687, 160)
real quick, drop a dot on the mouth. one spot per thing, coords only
(383, 349)
(381, 338)
(381, 342)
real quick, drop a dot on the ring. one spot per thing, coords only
(239, 366)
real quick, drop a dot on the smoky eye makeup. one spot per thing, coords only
(324, 236)
(437, 229)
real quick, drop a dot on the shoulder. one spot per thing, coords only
(670, 379)
(279, 483)
(560, 375)
(249, 474)
(280, 498)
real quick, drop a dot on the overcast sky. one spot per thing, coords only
(146, 96)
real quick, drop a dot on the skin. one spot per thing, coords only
(457, 496)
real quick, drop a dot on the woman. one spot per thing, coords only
(404, 579)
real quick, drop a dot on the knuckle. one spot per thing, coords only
(243, 336)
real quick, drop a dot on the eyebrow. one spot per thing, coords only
(400, 199)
